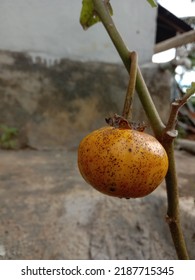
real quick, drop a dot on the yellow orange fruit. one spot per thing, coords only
(122, 162)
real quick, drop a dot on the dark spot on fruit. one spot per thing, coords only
(130, 150)
(112, 189)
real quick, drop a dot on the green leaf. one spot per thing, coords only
(153, 3)
(88, 16)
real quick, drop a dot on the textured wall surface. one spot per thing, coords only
(51, 29)
(51, 105)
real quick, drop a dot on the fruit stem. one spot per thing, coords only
(102, 10)
(127, 110)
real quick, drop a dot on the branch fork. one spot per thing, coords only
(170, 133)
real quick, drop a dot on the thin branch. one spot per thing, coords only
(177, 41)
(175, 107)
(127, 110)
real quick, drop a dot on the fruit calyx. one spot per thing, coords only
(120, 122)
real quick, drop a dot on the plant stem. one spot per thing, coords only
(141, 88)
(157, 126)
(173, 218)
(127, 110)
(171, 178)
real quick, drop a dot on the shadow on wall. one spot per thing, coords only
(57, 105)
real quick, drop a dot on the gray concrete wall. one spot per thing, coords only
(56, 106)
(58, 82)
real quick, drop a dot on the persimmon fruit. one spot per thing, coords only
(122, 162)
